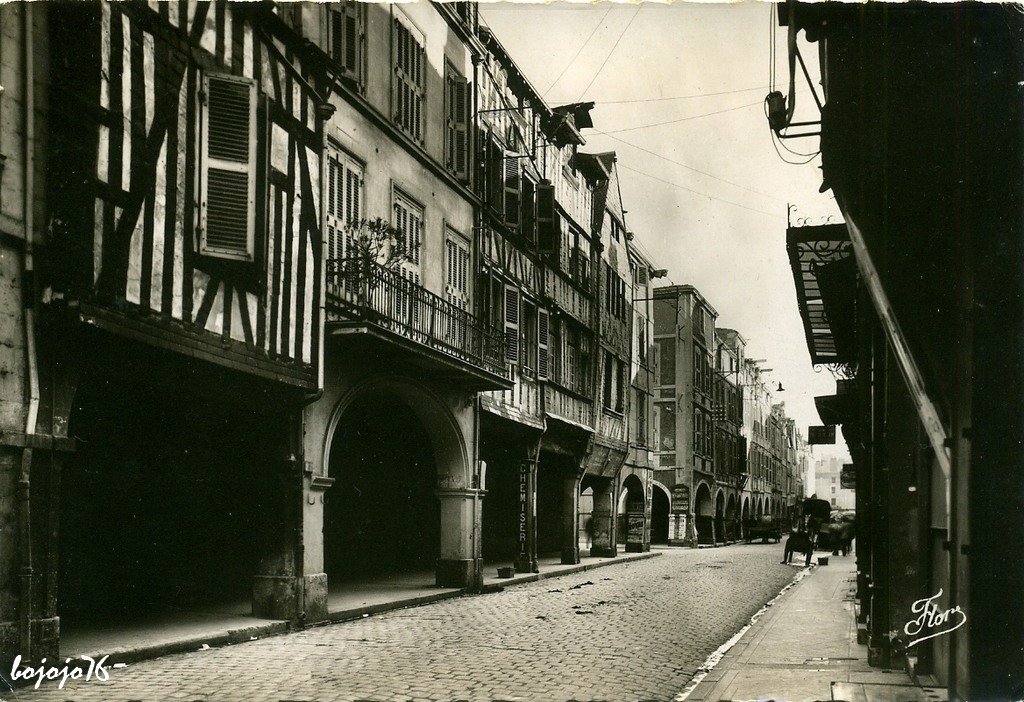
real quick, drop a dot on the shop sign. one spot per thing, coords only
(824, 435)
(635, 524)
(524, 508)
(681, 499)
(848, 477)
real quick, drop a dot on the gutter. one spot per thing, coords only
(28, 298)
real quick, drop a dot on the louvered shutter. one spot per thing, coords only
(228, 187)
(543, 327)
(641, 275)
(495, 177)
(352, 57)
(511, 324)
(512, 190)
(460, 98)
(547, 220)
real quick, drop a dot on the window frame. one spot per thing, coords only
(206, 162)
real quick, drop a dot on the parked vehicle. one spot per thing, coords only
(764, 527)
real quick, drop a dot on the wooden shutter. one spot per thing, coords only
(352, 58)
(511, 323)
(512, 189)
(495, 177)
(408, 60)
(543, 329)
(460, 107)
(335, 225)
(228, 187)
(547, 219)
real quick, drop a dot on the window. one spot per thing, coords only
(665, 421)
(409, 223)
(701, 371)
(548, 224)
(616, 229)
(409, 79)
(343, 201)
(228, 173)
(408, 220)
(346, 37)
(703, 433)
(456, 111)
(456, 251)
(613, 372)
(511, 324)
(528, 214)
(457, 270)
(666, 360)
(528, 350)
(641, 340)
(614, 293)
(640, 412)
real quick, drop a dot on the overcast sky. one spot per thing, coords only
(709, 204)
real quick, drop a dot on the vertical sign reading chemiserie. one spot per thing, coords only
(524, 511)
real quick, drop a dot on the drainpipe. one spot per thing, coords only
(28, 302)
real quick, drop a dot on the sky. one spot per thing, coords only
(705, 190)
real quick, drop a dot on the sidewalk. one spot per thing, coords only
(804, 647)
(165, 633)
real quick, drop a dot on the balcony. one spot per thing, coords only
(399, 323)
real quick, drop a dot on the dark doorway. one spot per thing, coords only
(160, 505)
(551, 473)
(381, 515)
(659, 516)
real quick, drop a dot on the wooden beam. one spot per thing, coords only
(926, 409)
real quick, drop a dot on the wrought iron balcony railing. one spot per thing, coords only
(359, 290)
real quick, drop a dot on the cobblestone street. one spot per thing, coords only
(625, 632)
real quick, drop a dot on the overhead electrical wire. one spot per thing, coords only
(683, 119)
(578, 52)
(612, 51)
(697, 192)
(688, 167)
(678, 97)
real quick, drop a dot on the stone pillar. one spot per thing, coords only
(570, 518)
(278, 590)
(603, 519)
(314, 578)
(457, 563)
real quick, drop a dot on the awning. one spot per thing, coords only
(825, 274)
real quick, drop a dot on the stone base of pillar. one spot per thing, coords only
(603, 552)
(678, 542)
(637, 548)
(46, 638)
(570, 556)
(278, 597)
(878, 653)
(526, 565)
(457, 572)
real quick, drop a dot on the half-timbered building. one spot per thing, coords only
(178, 286)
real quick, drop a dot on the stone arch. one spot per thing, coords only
(451, 447)
(731, 519)
(704, 514)
(421, 514)
(661, 511)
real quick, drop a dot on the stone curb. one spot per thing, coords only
(277, 628)
(579, 568)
